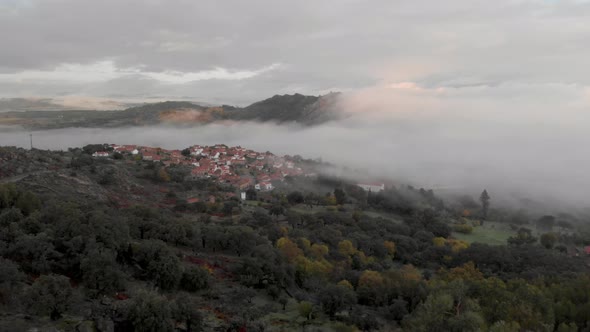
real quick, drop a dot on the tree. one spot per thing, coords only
(28, 202)
(310, 199)
(251, 194)
(276, 210)
(523, 236)
(184, 310)
(295, 197)
(101, 273)
(283, 301)
(10, 279)
(370, 287)
(390, 247)
(293, 218)
(186, 152)
(162, 175)
(289, 248)
(548, 240)
(346, 248)
(8, 195)
(149, 312)
(484, 198)
(159, 264)
(545, 223)
(305, 310)
(50, 295)
(194, 278)
(443, 312)
(334, 298)
(340, 196)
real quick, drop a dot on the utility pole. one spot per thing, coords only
(31, 136)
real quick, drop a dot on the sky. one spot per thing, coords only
(238, 52)
(461, 93)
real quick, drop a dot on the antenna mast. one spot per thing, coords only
(31, 136)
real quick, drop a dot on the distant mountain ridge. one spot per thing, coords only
(296, 108)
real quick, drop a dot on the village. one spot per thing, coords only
(237, 166)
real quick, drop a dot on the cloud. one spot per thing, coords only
(320, 46)
(106, 70)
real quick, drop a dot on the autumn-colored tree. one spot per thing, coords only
(163, 175)
(370, 286)
(319, 251)
(345, 283)
(346, 248)
(289, 248)
(467, 271)
(457, 245)
(439, 241)
(304, 243)
(390, 246)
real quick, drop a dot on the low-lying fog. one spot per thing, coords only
(511, 140)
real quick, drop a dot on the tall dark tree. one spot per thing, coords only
(295, 197)
(485, 203)
(251, 194)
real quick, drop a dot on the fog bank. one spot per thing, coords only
(511, 139)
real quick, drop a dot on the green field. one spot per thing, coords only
(493, 233)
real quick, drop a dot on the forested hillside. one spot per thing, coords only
(123, 244)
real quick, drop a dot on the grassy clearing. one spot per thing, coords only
(300, 208)
(384, 215)
(493, 233)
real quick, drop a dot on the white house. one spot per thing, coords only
(134, 152)
(372, 187)
(100, 154)
(263, 186)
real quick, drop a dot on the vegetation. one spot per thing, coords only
(338, 259)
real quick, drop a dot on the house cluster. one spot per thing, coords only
(240, 167)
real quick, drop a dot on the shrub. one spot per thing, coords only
(465, 229)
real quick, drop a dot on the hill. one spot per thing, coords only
(298, 108)
(306, 110)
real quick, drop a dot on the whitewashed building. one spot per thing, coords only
(372, 187)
